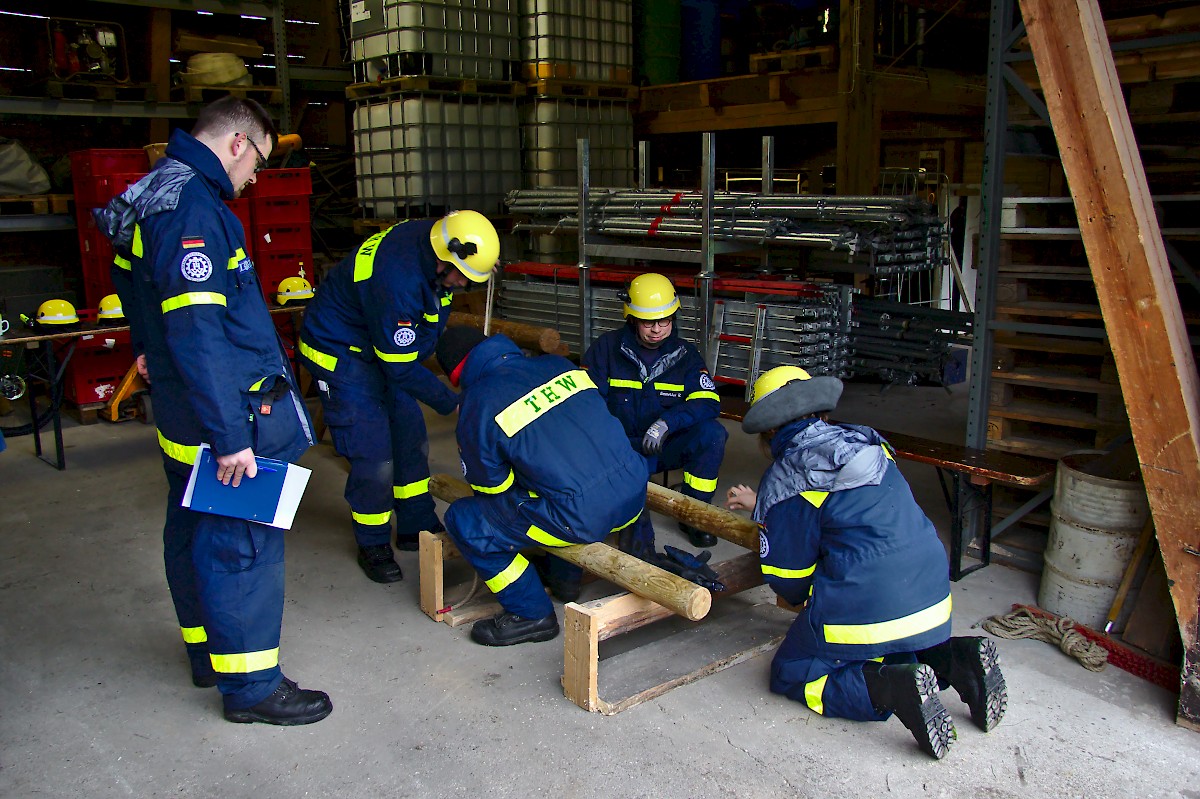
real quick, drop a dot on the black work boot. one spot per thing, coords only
(971, 666)
(289, 706)
(378, 563)
(910, 691)
(699, 538)
(507, 629)
(412, 543)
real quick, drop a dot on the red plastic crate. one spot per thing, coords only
(96, 191)
(95, 369)
(242, 210)
(92, 163)
(280, 183)
(278, 210)
(269, 239)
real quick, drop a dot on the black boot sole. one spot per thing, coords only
(980, 684)
(248, 716)
(378, 577)
(920, 710)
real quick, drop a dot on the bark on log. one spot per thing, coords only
(710, 518)
(531, 337)
(671, 591)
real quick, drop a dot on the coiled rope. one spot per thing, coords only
(1022, 623)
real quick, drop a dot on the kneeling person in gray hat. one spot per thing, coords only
(842, 535)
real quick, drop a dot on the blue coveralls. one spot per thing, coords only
(840, 529)
(376, 316)
(219, 374)
(676, 388)
(548, 463)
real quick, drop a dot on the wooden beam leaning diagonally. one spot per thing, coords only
(682, 596)
(1137, 296)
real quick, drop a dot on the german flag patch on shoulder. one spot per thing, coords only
(192, 242)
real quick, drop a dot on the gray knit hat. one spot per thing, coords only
(787, 393)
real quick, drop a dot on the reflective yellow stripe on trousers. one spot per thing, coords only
(411, 490)
(194, 635)
(372, 518)
(245, 662)
(814, 694)
(699, 483)
(509, 576)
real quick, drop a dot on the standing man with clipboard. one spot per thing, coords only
(219, 375)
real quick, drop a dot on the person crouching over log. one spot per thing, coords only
(549, 464)
(841, 534)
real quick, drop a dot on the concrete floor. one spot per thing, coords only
(95, 698)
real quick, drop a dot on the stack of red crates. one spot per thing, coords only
(98, 176)
(97, 364)
(280, 229)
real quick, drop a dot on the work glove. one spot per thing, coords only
(652, 442)
(689, 566)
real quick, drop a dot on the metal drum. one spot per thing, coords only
(1093, 531)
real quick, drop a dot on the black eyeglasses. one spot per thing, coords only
(261, 163)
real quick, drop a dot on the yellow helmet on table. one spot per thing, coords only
(468, 240)
(293, 289)
(651, 296)
(56, 312)
(110, 308)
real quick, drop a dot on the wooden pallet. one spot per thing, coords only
(789, 60)
(35, 204)
(434, 83)
(267, 95)
(583, 89)
(100, 90)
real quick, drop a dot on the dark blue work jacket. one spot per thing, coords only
(384, 304)
(538, 427)
(219, 373)
(862, 553)
(676, 389)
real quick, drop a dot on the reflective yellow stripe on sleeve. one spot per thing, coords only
(372, 518)
(238, 255)
(788, 574)
(699, 483)
(136, 247)
(447, 299)
(509, 576)
(400, 357)
(364, 259)
(193, 298)
(328, 362)
(884, 631)
(546, 396)
(194, 635)
(411, 489)
(430, 317)
(258, 384)
(702, 395)
(636, 516)
(180, 452)
(122, 263)
(618, 383)
(245, 662)
(669, 386)
(545, 539)
(814, 693)
(498, 489)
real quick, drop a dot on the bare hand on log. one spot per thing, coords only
(741, 497)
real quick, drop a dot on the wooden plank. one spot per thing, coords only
(1137, 294)
(859, 119)
(581, 655)
(738, 117)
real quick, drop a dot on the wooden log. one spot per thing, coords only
(702, 516)
(671, 591)
(530, 337)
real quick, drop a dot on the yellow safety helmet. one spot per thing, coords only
(787, 393)
(56, 312)
(651, 296)
(292, 289)
(110, 308)
(469, 241)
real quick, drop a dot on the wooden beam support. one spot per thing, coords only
(633, 574)
(159, 67)
(1137, 295)
(531, 337)
(859, 117)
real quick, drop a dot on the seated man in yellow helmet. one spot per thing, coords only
(378, 315)
(841, 534)
(657, 385)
